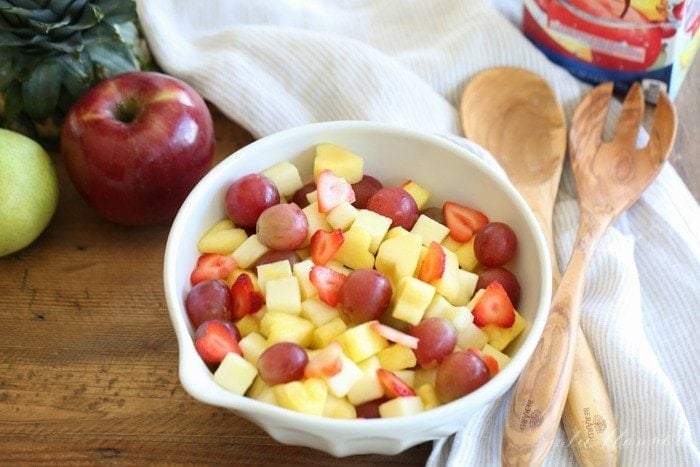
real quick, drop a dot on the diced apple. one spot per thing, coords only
(285, 176)
(248, 324)
(301, 270)
(308, 396)
(407, 375)
(252, 346)
(339, 267)
(279, 326)
(317, 311)
(237, 272)
(499, 337)
(275, 270)
(338, 407)
(223, 238)
(354, 251)
(316, 220)
(425, 376)
(411, 299)
(339, 384)
(327, 332)
(260, 391)
(475, 299)
(373, 223)
(367, 387)
(396, 357)
(429, 230)
(342, 216)
(439, 307)
(340, 161)
(427, 394)
(235, 373)
(419, 193)
(450, 243)
(401, 406)
(466, 257)
(398, 257)
(312, 196)
(283, 295)
(448, 284)
(471, 336)
(466, 280)
(361, 342)
(249, 251)
(500, 357)
(397, 231)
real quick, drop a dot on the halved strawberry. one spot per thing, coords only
(489, 360)
(324, 245)
(393, 385)
(494, 307)
(212, 266)
(245, 299)
(433, 265)
(394, 335)
(215, 338)
(462, 221)
(328, 283)
(326, 362)
(332, 190)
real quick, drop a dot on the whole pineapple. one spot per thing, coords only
(52, 51)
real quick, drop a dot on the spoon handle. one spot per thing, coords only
(540, 394)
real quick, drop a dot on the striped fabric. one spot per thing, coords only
(274, 64)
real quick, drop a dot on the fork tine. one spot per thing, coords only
(630, 117)
(588, 120)
(663, 129)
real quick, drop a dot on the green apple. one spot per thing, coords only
(28, 191)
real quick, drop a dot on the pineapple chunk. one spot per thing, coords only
(500, 357)
(354, 251)
(471, 337)
(439, 307)
(448, 284)
(342, 216)
(252, 346)
(374, 224)
(308, 396)
(317, 311)
(260, 391)
(367, 387)
(270, 271)
(398, 257)
(419, 194)
(408, 376)
(223, 238)
(235, 373)
(450, 243)
(285, 176)
(466, 257)
(475, 299)
(499, 337)
(237, 272)
(301, 270)
(340, 383)
(340, 161)
(411, 300)
(361, 342)
(427, 394)
(425, 376)
(397, 231)
(279, 326)
(248, 324)
(429, 230)
(249, 251)
(326, 333)
(283, 295)
(401, 406)
(396, 357)
(338, 407)
(466, 280)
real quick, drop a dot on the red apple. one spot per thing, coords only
(136, 144)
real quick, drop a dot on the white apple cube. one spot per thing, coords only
(354, 251)
(406, 375)
(275, 270)
(340, 383)
(252, 346)
(312, 196)
(373, 223)
(398, 257)
(401, 406)
(285, 176)
(439, 307)
(340, 161)
(471, 337)
(411, 299)
(316, 220)
(466, 280)
(283, 295)
(367, 387)
(450, 243)
(429, 230)
(249, 251)
(342, 216)
(301, 270)
(235, 373)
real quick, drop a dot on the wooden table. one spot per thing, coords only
(88, 358)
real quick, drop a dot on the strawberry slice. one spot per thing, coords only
(393, 385)
(394, 335)
(332, 190)
(245, 299)
(489, 360)
(328, 283)
(433, 265)
(494, 307)
(215, 338)
(326, 362)
(324, 245)
(462, 221)
(212, 266)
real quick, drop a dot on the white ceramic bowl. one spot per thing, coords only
(392, 155)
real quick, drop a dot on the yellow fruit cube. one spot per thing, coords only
(316, 220)
(427, 394)
(237, 272)
(249, 251)
(406, 375)
(283, 295)
(317, 311)
(450, 243)
(301, 270)
(411, 299)
(252, 346)
(340, 161)
(361, 342)
(424, 376)
(466, 257)
(397, 231)
(222, 238)
(342, 216)
(396, 357)
(398, 257)
(269, 271)
(367, 387)
(500, 357)
(401, 406)
(248, 324)
(339, 407)
(285, 176)
(354, 251)
(260, 391)
(439, 307)
(499, 337)
(471, 337)
(429, 230)
(279, 326)
(308, 396)
(235, 373)
(340, 383)
(419, 193)
(374, 224)
(466, 281)
(326, 333)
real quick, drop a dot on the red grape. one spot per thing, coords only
(364, 189)
(370, 409)
(495, 244)
(299, 197)
(504, 277)
(282, 227)
(207, 300)
(248, 197)
(273, 256)
(365, 295)
(396, 204)
(459, 374)
(437, 339)
(282, 362)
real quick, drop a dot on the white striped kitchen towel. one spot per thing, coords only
(275, 64)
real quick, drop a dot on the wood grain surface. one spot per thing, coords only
(88, 358)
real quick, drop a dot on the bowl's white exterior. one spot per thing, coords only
(393, 155)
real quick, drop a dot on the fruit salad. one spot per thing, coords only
(342, 297)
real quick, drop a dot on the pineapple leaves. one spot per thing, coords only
(43, 86)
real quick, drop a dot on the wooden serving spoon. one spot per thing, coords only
(514, 114)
